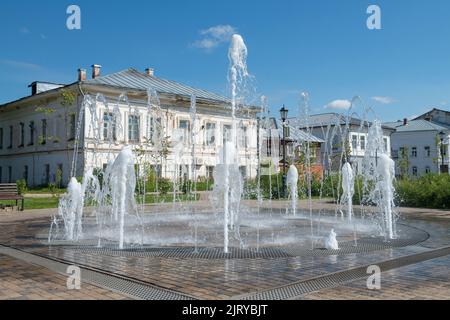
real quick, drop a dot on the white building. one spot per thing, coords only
(37, 132)
(337, 131)
(420, 145)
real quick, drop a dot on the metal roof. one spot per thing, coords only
(134, 79)
(295, 134)
(323, 119)
(417, 125)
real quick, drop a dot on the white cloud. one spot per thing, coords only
(214, 36)
(383, 100)
(339, 104)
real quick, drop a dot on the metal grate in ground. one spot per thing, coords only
(128, 286)
(334, 279)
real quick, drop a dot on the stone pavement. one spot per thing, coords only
(22, 281)
(222, 279)
(421, 281)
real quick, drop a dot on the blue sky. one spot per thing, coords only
(321, 46)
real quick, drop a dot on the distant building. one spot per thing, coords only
(37, 132)
(272, 146)
(332, 129)
(421, 145)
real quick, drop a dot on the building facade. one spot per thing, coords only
(343, 137)
(421, 145)
(44, 134)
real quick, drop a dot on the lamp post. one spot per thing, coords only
(284, 113)
(441, 153)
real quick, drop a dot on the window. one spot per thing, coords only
(269, 147)
(385, 141)
(25, 174)
(210, 172)
(427, 151)
(243, 171)
(9, 174)
(133, 128)
(243, 140)
(109, 127)
(153, 129)
(227, 132)
(362, 142)
(46, 174)
(44, 131)
(414, 171)
(1, 138)
(72, 126)
(414, 152)
(185, 125)
(354, 142)
(31, 127)
(10, 137)
(59, 175)
(427, 170)
(158, 170)
(210, 134)
(1, 173)
(22, 134)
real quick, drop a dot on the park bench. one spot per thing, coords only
(9, 191)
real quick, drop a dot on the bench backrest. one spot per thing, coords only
(8, 188)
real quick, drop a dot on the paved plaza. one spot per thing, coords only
(415, 268)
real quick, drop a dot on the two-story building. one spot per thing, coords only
(39, 140)
(341, 135)
(421, 145)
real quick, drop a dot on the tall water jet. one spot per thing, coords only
(193, 114)
(386, 173)
(122, 183)
(348, 187)
(237, 55)
(292, 182)
(70, 209)
(228, 187)
(379, 175)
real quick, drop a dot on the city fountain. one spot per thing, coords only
(229, 224)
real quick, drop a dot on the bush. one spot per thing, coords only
(164, 185)
(53, 189)
(429, 191)
(21, 186)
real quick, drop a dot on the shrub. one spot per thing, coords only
(21, 186)
(429, 191)
(164, 185)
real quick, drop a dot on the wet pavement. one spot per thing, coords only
(228, 278)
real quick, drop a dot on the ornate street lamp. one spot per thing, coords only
(284, 114)
(441, 151)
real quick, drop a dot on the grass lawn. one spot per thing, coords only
(35, 203)
(52, 202)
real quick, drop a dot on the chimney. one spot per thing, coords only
(150, 72)
(81, 74)
(405, 121)
(96, 71)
